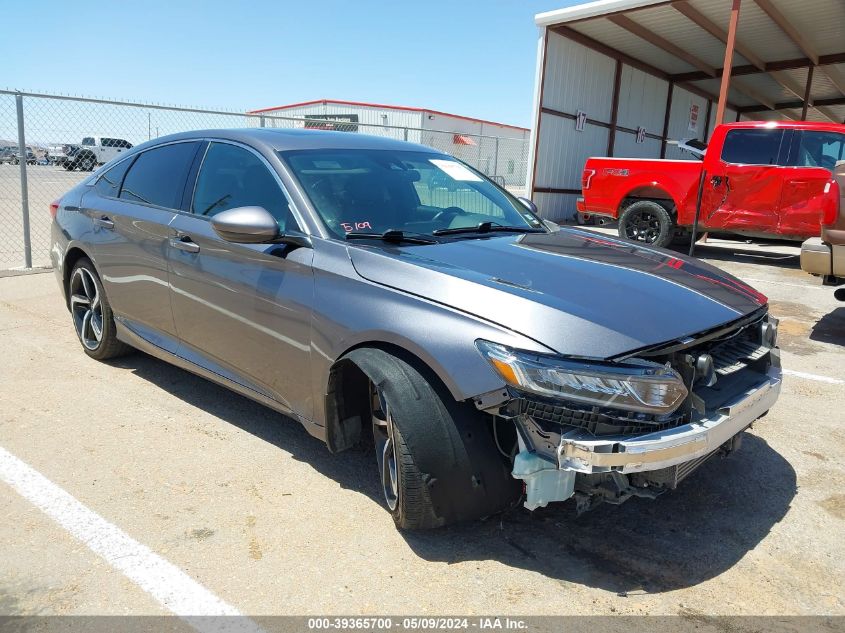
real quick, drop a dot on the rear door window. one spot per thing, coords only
(753, 147)
(157, 176)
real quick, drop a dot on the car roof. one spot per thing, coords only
(296, 139)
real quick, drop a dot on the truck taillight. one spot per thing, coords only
(587, 178)
(830, 203)
(54, 207)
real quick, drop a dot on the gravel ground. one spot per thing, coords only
(258, 512)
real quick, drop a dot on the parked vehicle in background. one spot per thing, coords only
(763, 179)
(58, 154)
(94, 151)
(825, 255)
(7, 152)
(332, 276)
(12, 155)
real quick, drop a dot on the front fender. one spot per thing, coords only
(352, 312)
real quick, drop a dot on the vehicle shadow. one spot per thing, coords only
(724, 253)
(767, 252)
(685, 537)
(830, 328)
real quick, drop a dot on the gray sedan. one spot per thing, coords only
(380, 291)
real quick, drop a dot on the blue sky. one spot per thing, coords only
(464, 56)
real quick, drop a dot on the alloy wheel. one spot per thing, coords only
(86, 308)
(642, 226)
(383, 434)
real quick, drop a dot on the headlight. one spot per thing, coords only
(632, 386)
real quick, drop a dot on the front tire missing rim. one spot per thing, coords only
(447, 466)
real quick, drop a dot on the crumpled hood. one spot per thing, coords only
(577, 292)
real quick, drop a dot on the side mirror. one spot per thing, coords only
(246, 225)
(528, 203)
(253, 225)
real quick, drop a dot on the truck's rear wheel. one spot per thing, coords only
(647, 221)
(87, 162)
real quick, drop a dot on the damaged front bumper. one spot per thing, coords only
(607, 460)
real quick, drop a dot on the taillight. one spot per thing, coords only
(54, 207)
(587, 178)
(830, 203)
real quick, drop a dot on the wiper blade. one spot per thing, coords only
(393, 235)
(487, 227)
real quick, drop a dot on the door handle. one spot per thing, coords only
(104, 221)
(184, 243)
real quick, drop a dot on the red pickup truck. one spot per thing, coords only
(761, 179)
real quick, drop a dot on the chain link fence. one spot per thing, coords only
(51, 128)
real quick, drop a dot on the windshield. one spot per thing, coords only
(416, 192)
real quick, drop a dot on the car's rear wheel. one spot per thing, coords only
(91, 313)
(647, 221)
(436, 458)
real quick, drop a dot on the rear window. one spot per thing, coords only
(158, 175)
(819, 149)
(115, 142)
(108, 184)
(753, 147)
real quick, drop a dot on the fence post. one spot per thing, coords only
(262, 122)
(406, 134)
(496, 158)
(27, 244)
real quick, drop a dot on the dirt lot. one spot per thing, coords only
(261, 515)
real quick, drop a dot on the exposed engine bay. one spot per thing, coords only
(563, 449)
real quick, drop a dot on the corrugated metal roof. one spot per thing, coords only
(820, 25)
(618, 38)
(590, 9)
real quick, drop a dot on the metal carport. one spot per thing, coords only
(624, 77)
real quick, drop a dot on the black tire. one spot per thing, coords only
(87, 162)
(681, 240)
(647, 221)
(107, 345)
(448, 467)
(69, 165)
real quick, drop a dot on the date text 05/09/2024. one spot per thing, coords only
(429, 623)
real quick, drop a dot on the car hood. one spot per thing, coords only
(577, 292)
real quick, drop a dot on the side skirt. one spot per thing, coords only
(129, 337)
